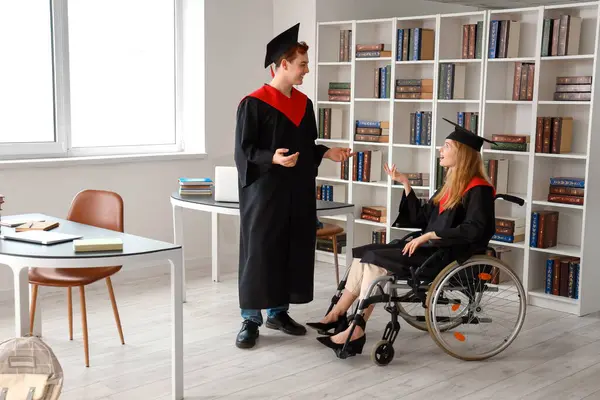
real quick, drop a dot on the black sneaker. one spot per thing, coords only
(285, 323)
(246, 338)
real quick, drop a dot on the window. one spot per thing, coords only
(26, 84)
(122, 72)
(93, 77)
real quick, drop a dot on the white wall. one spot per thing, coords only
(341, 10)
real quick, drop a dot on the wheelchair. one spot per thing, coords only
(467, 295)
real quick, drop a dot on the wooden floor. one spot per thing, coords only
(556, 356)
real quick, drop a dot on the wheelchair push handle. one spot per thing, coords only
(510, 198)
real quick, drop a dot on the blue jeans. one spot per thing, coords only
(256, 315)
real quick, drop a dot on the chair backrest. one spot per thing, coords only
(100, 208)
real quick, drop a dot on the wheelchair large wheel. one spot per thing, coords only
(488, 309)
(413, 313)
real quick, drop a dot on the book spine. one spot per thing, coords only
(399, 37)
(534, 229)
(479, 44)
(564, 199)
(546, 37)
(570, 182)
(493, 42)
(549, 274)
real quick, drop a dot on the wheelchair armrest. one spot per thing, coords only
(411, 235)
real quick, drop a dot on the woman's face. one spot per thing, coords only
(448, 154)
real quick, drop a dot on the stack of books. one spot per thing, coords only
(510, 142)
(504, 39)
(573, 88)
(195, 186)
(472, 41)
(562, 276)
(509, 230)
(554, 135)
(523, 81)
(566, 190)
(544, 229)
(560, 36)
(339, 91)
(345, 45)
(414, 44)
(374, 213)
(372, 51)
(414, 89)
(416, 179)
(420, 128)
(372, 131)
(468, 120)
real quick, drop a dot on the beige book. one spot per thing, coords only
(100, 244)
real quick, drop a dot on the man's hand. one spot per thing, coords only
(286, 161)
(338, 154)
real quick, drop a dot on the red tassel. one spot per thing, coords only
(272, 73)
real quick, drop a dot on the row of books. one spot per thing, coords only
(372, 51)
(504, 39)
(562, 276)
(335, 193)
(415, 44)
(365, 166)
(452, 81)
(374, 214)
(414, 88)
(330, 123)
(372, 131)
(544, 229)
(560, 36)
(383, 76)
(379, 236)
(196, 186)
(440, 174)
(566, 190)
(510, 142)
(339, 91)
(497, 171)
(345, 45)
(509, 229)
(523, 81)
(554, 135)
(326, 244)
(420, 128)
(573, 88)
(472, 40)
(468, 120)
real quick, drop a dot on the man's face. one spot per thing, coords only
(295, 70)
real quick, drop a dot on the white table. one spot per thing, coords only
(208, 204)
(19, 256)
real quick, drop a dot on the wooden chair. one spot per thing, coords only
(99, 208)
(330, 231)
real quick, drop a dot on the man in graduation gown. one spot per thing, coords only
(277, 161)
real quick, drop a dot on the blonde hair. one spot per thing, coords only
(468, 166)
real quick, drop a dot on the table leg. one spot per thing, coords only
(349, 237)
(21, 283)
(178, 239)
(215, 247)
(177, 330)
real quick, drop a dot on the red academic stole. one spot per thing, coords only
(476, 181)
(292, 107)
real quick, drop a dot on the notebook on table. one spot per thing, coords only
(40, 237)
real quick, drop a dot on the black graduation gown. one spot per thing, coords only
(277, 204)
(468, 228)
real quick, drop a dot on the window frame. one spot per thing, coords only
(61, 147)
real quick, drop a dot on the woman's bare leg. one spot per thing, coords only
(350, 294)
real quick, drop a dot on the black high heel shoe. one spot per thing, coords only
(353, 347)
(338, 326)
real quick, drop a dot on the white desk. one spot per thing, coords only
(19, 256)
(208, 204)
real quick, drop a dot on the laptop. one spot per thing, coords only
(226, 184)
(40, 237)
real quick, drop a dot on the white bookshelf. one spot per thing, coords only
(487, 92)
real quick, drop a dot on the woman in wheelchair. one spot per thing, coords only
(461, 212)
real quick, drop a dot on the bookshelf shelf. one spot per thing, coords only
(556, 205)
(502, 108)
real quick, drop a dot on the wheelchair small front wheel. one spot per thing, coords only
(382, 353)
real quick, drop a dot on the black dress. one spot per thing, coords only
(277, 204)
(466, 228)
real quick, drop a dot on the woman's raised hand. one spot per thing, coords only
(397, 176)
